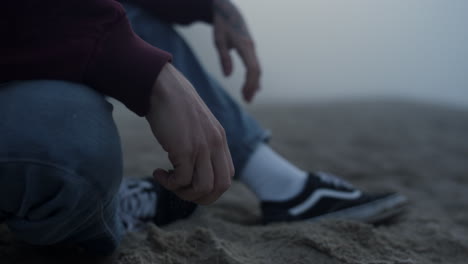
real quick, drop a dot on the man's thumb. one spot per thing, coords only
(161, 176)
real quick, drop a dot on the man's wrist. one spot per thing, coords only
(169, 84)
(219, 7)
(158, 83)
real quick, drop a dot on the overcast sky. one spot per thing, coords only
(314, 49)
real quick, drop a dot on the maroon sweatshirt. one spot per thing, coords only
(89, 42)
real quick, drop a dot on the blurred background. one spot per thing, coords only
(316, 50)
(333, 64)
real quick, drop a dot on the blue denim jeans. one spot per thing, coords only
(60, 155)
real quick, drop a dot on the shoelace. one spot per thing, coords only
(334, 180)
(137, 203)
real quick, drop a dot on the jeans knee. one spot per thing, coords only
(61, 123)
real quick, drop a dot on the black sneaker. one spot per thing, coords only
(326, 196)
(144, 200)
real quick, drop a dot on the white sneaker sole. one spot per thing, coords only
(373, 212)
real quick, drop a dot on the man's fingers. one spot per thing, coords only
(224, 56)
(202, 182)
(251, 86)
(222, 178)
(182, 176)
(229, 158)
(252, 80)
(223, 172)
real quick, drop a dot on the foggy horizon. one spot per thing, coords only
(322, 50)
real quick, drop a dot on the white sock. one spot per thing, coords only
(271, 177)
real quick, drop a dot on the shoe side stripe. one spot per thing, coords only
(319, 194)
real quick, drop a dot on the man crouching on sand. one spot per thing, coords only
(60, 158)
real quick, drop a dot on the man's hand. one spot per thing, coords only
(194, 139)
(230, 32)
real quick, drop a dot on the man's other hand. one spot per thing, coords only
(192, 136)
(231, 32)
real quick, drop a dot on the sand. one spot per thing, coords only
(420, 150)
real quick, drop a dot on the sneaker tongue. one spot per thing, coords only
(334, 180)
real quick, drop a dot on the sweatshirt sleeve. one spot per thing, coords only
(179, 11)
(125, 67)
(84, 41)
